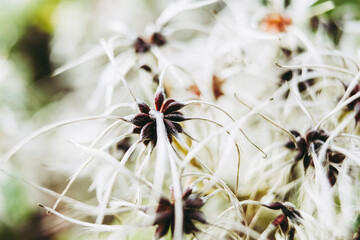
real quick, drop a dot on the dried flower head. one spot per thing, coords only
(165, 214)
(315, 139)
(288, 213)
(143, 46)
(145, 121)
(302, 86)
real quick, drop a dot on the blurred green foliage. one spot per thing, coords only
(17, 210)
(25, 35)
(340, 5)
(16, 17)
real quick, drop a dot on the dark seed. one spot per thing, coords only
(141, 119)
(322, 135)
(295, 133)
(148, 132)
(290, 145)
(332, 175)
(291, 233)
(282, 221)
(306, 162)
(275, 205)
(178, 127)
(286, 52)
(137, 130)
(141, 46)
(286, 76)
(143, 107)
(176, 117)
(166, 104)
(311, 135)
(146, 68)
(197, 215)
(159, 99)
(158, 39)
(162, 229)
(172, 107)
(187, 193)
(170, 129)
(336, 157)
(194, 202)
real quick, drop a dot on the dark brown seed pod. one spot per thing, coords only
(141, 46)
(158, 39)
(281, 221)
(145, 121)
(146, 68)
(288, 213)
(287, 209)
(314, 139)
(165, 214)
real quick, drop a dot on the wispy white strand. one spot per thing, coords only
(333, 134)
(177, 7)
(47, 128)
(338, 108)
(233, 125)
(294, 30)
(91, 226)
(294, 89)
(81, 168)
(103, 204)
(109, 52)
(309, 66)
(324, 198)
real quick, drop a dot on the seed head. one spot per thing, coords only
(143, 46)
(315, 139)
(288, 213)
(165, 214)
(145, 121)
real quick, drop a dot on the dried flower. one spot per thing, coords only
(302, 86)
(165, 214)
(315, 139)
(288, 213)
(145, 121)
(143, 46)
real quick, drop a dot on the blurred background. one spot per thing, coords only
(36, 38)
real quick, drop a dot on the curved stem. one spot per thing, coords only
(237, 149)
(269, 120)
(327, 67)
